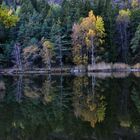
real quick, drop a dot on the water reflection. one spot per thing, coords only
(2, 90)
(88, 103)
(103, 75)
(69, 107)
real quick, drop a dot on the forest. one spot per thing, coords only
(47, 33)
(70, 69)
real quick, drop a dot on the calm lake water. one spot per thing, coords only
(66, 107)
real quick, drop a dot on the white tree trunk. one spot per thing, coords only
(92, 50)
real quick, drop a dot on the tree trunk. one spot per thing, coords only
(122, 41)
(18, 56)
(60, 52)
(49, 61)
(125, 41)
(92, 50)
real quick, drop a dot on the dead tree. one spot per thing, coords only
(17, 56)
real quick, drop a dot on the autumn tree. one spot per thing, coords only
(7, 20)
(31, 56)
(47, 53)
(88, 105)
(7, 17)
(87, 37)
(48, 91)
(79, 50)
(135, 3)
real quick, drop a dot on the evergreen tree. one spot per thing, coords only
(123, 22)
(136, 41)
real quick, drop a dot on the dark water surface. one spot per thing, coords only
(70, 107)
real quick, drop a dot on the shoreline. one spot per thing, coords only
(97, 68)
(70, 71)
(99, 74)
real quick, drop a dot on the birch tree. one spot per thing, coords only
(17, 55)
(88, 35)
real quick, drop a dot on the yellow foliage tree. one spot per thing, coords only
(29, 54)
(88, 106)
(135, 3)
(124, 15)
(7, 17)
(89, 35)
(47, 53)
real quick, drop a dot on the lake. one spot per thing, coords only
(68, 107)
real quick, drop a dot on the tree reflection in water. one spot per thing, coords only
(89, 105)
(2, 90)
(69, 108)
